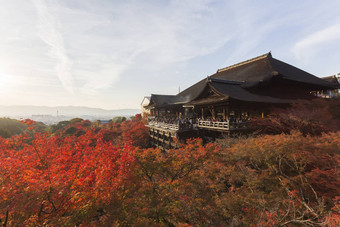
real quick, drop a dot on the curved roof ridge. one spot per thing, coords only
(160, 95)
(219, 80)
(332, 79)
(245, 62)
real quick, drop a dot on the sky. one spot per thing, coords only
(110, 54)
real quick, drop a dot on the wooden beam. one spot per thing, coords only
(213, 113)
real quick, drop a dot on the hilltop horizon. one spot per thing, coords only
(67, 106)
(53, 114)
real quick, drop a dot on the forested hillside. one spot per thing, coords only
(10, 127)
(87, 173)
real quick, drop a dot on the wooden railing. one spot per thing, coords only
(219, 125)
(222, 125)
(216, 124)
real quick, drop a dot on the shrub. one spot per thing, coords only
(308, 117)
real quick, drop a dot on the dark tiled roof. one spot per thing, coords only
(292, 73)
(161, 100)
(331, 79)
(251, 71)
(235, 91)
(235, 79)
(255, 69)
(192, 92)
(265, 68)
(165, 100)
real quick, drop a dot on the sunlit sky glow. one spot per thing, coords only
(110, 54)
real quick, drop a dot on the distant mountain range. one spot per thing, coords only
(58, 111)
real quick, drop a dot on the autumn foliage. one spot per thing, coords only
(104, 175)
(58, 179)
(308, 117)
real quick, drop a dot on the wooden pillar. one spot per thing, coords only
(202, 113)
(212, 112)
(224, 113)
(262, 114)
(164, 143)
(227, 114)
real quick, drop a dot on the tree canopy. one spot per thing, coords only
(105, 174)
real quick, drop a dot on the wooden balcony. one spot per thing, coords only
(211, 125)
(222, 126)
(161, 125)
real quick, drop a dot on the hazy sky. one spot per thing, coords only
(110, 53)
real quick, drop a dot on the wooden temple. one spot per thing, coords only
(225, 101)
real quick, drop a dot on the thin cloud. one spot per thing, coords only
(105, 50)
(50, 34)
(310, 45)
(141, 35)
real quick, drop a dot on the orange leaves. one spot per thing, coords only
(308, 117)
(174, 184)
(333, 218)
(42, 167)
(99, 176)
(295, 174)
(28, 122)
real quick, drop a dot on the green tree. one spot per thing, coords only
(118, 119)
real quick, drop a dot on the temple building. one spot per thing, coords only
(330, 94)
(226, 100)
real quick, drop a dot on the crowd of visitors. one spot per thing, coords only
(231, 119)
(181, 123)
